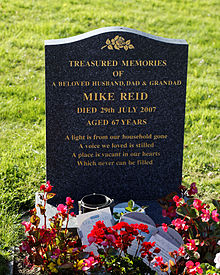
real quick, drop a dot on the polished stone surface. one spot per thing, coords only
(143, 168)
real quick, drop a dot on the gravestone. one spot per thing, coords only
(115, 108)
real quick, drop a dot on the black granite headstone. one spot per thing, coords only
(115, 107)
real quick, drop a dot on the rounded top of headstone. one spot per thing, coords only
(113, 29)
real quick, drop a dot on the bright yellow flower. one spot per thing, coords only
(80, 264)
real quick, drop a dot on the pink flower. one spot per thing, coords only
(215, 216)
(181, 251)
(69, 201)
(197, 204)
(191, 245)
(111, 238)
(91, 239)
(165, 227)
(27, 225)
(62, 208)
(178, 201)
(56, 253)
(180, 224)
(205, 216)
(88, 263)
(193, 269)
(193, 189)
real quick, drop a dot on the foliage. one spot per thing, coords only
(53, 248)
(113, 246)
(209, 269)
(199, 227)
(130, 208)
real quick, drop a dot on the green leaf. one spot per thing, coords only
(216, 204)
(131, 204)
(101, 251)
(209, 257)
(186, 211)
(128, 209)
(112, 251)
(117, 215)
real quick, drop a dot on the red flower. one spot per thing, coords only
(46, 188)
(143, 228)
(157, 250)
(145, 247)
(42, 187)
(25, 247)
(119, 236)
(178, 201)
(159, 261)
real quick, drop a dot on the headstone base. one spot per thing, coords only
(154, 210)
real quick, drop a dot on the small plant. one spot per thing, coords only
(130, 208)
(113, 244)
(53, 248)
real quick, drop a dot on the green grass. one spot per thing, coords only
(24, 26)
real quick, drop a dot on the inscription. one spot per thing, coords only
(115, 114)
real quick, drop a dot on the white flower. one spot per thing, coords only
(217, 260)
(218, 243)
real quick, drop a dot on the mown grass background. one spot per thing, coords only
(24, 26)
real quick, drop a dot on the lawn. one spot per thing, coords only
(25, 24)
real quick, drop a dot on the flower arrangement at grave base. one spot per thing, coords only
(198, 225)
(55, 250)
